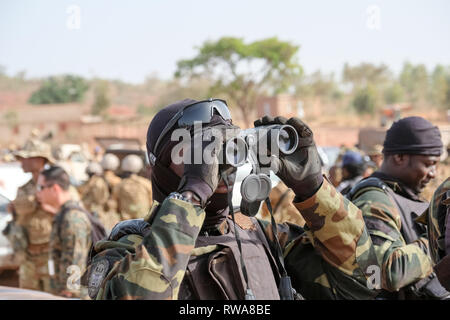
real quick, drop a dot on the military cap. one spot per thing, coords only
(34, 148)
(413, 135)
(375, 150)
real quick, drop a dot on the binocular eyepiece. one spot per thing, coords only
(263, 141)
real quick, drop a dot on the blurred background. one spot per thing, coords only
(89, 75)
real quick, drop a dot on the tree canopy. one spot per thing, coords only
(241, 71)
(64, 89)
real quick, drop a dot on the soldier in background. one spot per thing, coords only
(353, 167)
(110, 163)
(390, 201)
(95, 195)
(29, 231)
(134, 193)
(376, 155)
(71, 238)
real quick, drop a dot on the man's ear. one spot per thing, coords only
(400, 159)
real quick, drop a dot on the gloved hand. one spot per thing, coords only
(301, 170)
(201, 174)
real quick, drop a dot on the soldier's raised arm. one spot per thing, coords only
(335, 249)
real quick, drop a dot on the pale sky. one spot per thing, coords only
(129, 40)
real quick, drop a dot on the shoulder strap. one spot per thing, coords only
(365, 185)
(97, 229)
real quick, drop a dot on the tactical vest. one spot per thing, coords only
(214, 269)
(218, 275)
(427, 288)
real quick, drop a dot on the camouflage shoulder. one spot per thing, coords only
(435, 217)
(29, 188)
(75, 215)
(76, 221)
(106, 255)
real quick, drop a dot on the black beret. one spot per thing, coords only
(413, 135)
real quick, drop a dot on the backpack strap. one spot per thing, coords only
(371, 183)
(95, 223)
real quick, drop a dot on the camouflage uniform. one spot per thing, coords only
(405, 265)
(133, 196)
(325, 260)
(111, 178)
(95, 195)
(31, 226)
(36, 224)
(434, 217)
(281, 198)
(111, 205)
(437, 220)
(69, 248)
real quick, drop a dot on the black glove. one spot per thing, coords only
(201, 178)
(126, 227)
(301, 170)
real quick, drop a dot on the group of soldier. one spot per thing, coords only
(369, 236)
(52, 227)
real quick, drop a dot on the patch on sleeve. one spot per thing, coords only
(244, 222)
(98, 273)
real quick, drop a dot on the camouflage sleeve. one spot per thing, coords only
(335, 227)
(401, 263)
(157, 268)
(436, 218)
(331, 258)
(75, 244)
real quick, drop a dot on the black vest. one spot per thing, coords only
(218, 274)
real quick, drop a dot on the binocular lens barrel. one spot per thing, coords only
(287, 139)
(270, 139)
(236, 152)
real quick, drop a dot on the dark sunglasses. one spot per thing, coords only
(201, 111)
(39, 187)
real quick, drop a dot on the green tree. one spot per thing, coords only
(318, 85)
(414, 80)
(365, 100)
(365, 74)
(244, 71)
(440, 86)
(101, 100)
(394, 93)
(64, 89)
